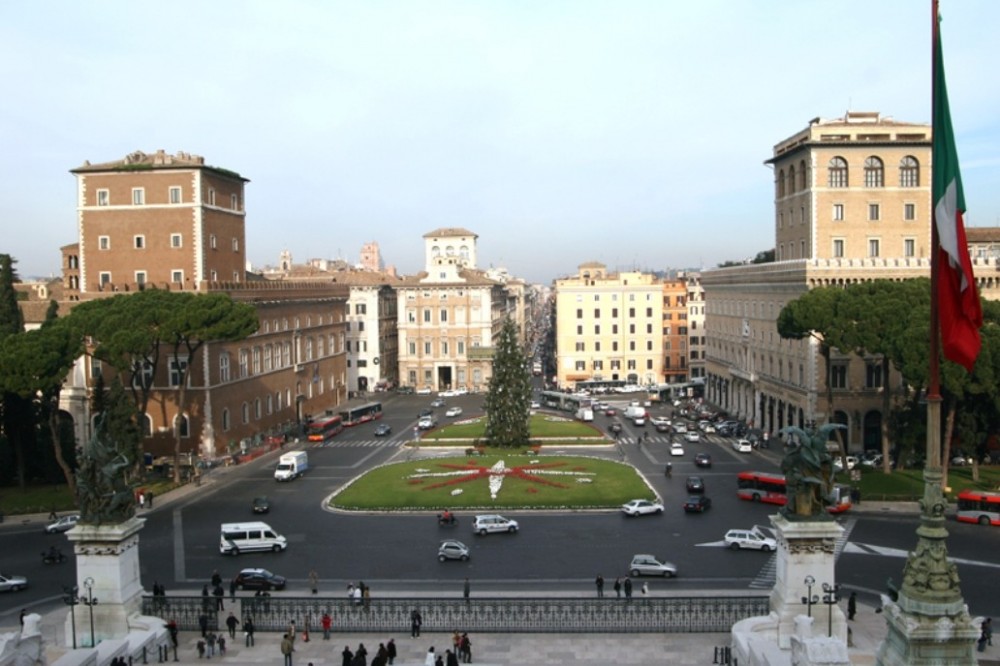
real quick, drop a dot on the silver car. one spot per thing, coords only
(486, 523)
(649, 565)
(453, 550)
(63, 524)
(12, 583)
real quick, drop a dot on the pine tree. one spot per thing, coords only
(16, 416)
(509, 396)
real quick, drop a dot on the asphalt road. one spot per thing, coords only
(179, 544)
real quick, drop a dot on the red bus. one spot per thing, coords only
(771, 488)
(978, 506)
(324, 428)
(353, 416)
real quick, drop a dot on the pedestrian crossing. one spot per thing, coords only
(766, 576)
(362, 444)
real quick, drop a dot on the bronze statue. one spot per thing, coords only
(809, 473)
(103, 494)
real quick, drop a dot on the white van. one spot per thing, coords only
(236, 538)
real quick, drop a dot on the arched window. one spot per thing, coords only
(874, 172)
(269, 404)
(225, 420)
(837, 172)
(436, 251)
(781, 183)
(909, 172)
(802, 175)
(791, 180)
(182, 422)
(277, 399)
(464, 251)
(245, 413)
(224, 367)
(147, 425)
(256, 409)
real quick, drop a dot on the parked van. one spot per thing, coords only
(236, 538)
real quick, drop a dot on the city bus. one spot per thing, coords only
(771, 489)
(566, 402)
(324, 428)
(353, 416)
(601, 385)
(978, 506)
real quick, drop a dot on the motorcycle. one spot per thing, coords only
(53, 557)
(447, 521)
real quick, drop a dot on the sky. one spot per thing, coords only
(628, 132)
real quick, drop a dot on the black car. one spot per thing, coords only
(261, 505)
(383, 429)
(259, 579)
(405, 390)
(703, 460)
(427, 411)
(697, 504)
(695, 484)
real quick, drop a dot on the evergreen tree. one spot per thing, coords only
(16, 415)
(509, 397)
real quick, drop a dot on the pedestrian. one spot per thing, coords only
(439, 661)
(600, 586)
(248, 630)
(381, 657)
(149, 498)
(314, 581)
(173, 631)
(358, 594)
(366, 593)
(429, 659)
(231, 624)
(219, 594)
(350, 591)
(987, 629)
(415, 622)
(451, 659)
(645, 589)
(327, 622)
(216, 578)
(221, 640)
(24, 611)
(200, 645)
(203, 624)
(142, 505)
(618, 587)
(361, 655)
(346, 656)
(465, 649)
(852, 605)
(627, 585)
(465, 590)
(456, 640)
(286, 649)
(210, 643)
(232, 590)
(390, 649)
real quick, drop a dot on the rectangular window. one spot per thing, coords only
(597, 346)
(427, 316)
(838, 212)
(444, 348)
(176, 240)
(140, 277)
(649, 312)
(461, 347)
(614, 329)
(838, 247)
(579, 313)
(413, 348)
(597, 329)
(631, 329)
(631, 311)
(873, 212)
(105, 279)
(631, 364)
(631, 345)
(211, 196)
(444, 316)
(649, 345)
(175, 195)
(873, 375)
(212, 241)
(581, 346)
(614, 313)
(234, 202)
(873, 247)
(909, 212)
(177, 276)
(236, 245)
(579, 330)
(360, 308)
(140, 242)
(598, 365)
(581, 365)
(103, 197)
(838, 376)
(614, 345)
(427, 348)
(909, 247)
(597, 313)
(138, 196)
(178, 366)
(104, 242)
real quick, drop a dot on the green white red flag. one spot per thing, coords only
(959, 310)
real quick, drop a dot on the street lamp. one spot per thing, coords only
(810, 598)
(71, 600)
(831, 595)
(90, 602)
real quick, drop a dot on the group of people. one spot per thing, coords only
(386, 654)
(622, 585)
(359, 594)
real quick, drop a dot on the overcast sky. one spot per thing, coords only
(628, 132)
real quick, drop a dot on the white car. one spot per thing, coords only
(424, 391)
(641, 507)
(680, 428)
(852, 462)
(64, 524)
(535, 404)
(676, 449)
(454, 411)
(426, 423)
(447, 394)
(752, 539)
(742, 446)
(491, 522)
(692, 436)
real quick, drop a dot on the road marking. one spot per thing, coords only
(884, 551)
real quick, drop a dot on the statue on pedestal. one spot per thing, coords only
(809, 473)
(103, 495)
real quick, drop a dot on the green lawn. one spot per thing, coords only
(542, 426)
(43, 499)
(531, 482)
(909, 484)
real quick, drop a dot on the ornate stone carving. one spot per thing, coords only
(102, 492)
(808, 470)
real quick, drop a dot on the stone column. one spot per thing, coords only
(109, 556)
(805, 549)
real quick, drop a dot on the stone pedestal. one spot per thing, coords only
(108, 555)
(805, 549)
(923, 633)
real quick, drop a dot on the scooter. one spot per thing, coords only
(54, 556)
(447, 521)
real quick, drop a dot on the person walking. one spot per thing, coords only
(210, 641)
(465, 649)
(219, 594)
(203, 624)
(465, 590)
(429, 659)
(314, 581)
(216, 578)
(451, 659)
(221, 640)
(627, 585)
(327, 622)
(415, 622)
(600, 586)
(231, 624)
(142, 505)
(286, 649)
(390, 650)
(232, 590)
(987, 628)
(149, 499)
(248, 630)
(382, 656)
(346, 657)
(361, 655)
(852, 605)
(618, 587)
(645, 589)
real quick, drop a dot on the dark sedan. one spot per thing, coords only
(697, 504)
(261, 505)
(695, 485)
(383, 430)
(259, 579)
(703, 460)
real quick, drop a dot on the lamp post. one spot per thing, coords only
(90, 602)
(810, 598)
(70, 599)
(831, 595)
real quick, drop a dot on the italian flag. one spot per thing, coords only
(958, 301)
